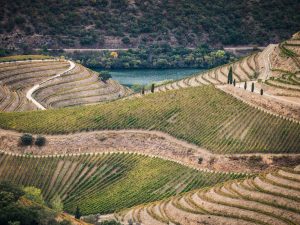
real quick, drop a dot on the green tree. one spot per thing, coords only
(57, 204)
(40, 141)
(252, 87)
(143, 90)
(34, 194)
(77, 213)
(230, 76)
(26, 139)
(152, 88)
(245, 85)
(104, 75)
(261, 91)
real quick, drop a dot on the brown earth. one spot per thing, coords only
(151, 143)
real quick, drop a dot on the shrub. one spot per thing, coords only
(200, 160)
(40, 141)
(126, 40)
(57, 204)
(104, 76)
(34, 194)
(26, 139)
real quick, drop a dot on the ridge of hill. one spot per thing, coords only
(130, 23)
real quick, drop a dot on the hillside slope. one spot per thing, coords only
(219, 123)
(271, 198)
(60, 85)
(103, 183)
(129, 23)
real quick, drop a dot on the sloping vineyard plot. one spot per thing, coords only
(103, 183)
(271, 198)
(287, 81)
(76, 87)
(79, 86)
(243, 70)
(203, 115)
(17, 77)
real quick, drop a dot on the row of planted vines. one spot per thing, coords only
(201, 115)
(103, 183)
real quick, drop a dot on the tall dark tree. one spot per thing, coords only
(143, 90)
(252, 87)
(77, 213)
(152, 88)
(230, 76)
(234, 82)
(245, 85)
(261, 91)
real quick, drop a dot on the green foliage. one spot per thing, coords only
(126, 40)
(186, 21)
(56, 203)
(152, 88)
(12, 211)
(26, 139)
(155, 56)
(104, 75)
(230, 76)
(40, 141)
(34, 194)
(77, 213)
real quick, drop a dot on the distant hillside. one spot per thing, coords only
(129, 23)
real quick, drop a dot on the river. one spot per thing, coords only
(130, 77)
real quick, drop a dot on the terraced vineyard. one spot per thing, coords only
(243, 70)
(103, 183)
(76, 87)
(220, 123)
(287, 81)
(271, 198)
(17, 77)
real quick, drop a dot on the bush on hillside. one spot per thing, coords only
(34, 194)
(40, 141)
(26, 139)
(57, 204)
(104, 76)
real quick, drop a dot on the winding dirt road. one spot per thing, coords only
(37, 86)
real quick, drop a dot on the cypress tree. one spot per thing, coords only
(245, 85)
(77, 213)
(152, 88)
(234, 82)
(143, 90)
(230, 76)
(252, 87)
(261, 91)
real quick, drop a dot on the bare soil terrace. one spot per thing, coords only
(150, 143)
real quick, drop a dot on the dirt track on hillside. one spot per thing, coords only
(152, 143)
